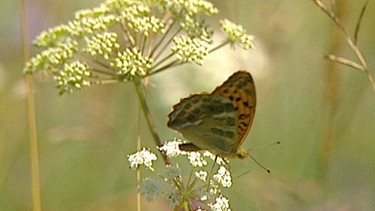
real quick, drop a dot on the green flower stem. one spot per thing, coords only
(192, 184)
(143, 44)
(165, 67)
(178, 182)
(149, 118)
(128, 37)
(107, 69)
(219, 46)
(104, 72)
(166, 44)
(162, 61)
(107, 81)
(161, 39)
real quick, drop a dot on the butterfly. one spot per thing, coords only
(218, 121)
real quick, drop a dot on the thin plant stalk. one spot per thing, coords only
(328, 141)
(148, 116)
(352, 44)
(219, 46)
(171, 64)
(139, 140)
(161, 39)
(31, 120)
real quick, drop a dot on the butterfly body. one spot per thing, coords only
(219, 121)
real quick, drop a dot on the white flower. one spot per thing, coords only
(221, 204)
(237, 34)
(214, 188)
(143, 157)
(74, 77)
(223, 177)
(103, 44)
(196, 159)
(190, 50)
(145, 25)
(171, 148)
(219, 160)
(201, 174)
(131, 62)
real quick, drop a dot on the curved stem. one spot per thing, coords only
(219, 46)
(352, 44)
(171, 64)
(148, 116)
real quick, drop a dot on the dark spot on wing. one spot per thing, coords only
(231, 121)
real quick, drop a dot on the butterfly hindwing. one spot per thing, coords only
(208, 121)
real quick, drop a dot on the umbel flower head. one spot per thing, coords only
(121, 40)
(201, 190)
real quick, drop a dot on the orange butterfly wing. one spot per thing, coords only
(240, 89)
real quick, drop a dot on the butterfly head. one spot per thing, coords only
(242, 153)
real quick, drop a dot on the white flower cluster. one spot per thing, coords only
(95, 12)
(194, 7)
(52, 36)
(58, 55)
(201, 174)
(103, 44)
(52, 58)
(131, 62)
(145, 25)
(196, 159)
(74, 77)
(89, 21)
(237, 34)
(190, 50)
(144, 157)
(221, 204)
(171, 148)
(223, 177)
(170, 182)
(121, 40)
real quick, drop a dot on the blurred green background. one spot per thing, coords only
(322, 114)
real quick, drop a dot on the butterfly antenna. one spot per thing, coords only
(243, 174)
(266, 145)
(260, 165)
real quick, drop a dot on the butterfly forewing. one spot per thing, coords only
(240, 89)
